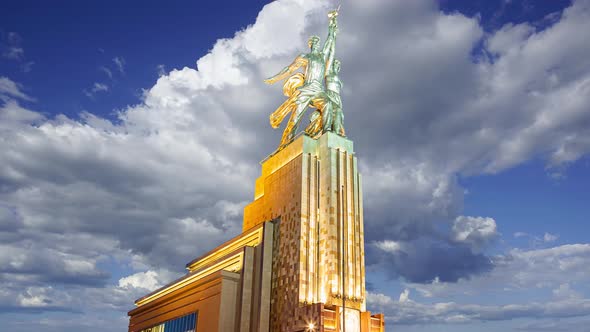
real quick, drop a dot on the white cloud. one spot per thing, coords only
(161, 69)
(34, 297)
(564, 291)
(548, 237)
(477, 232)
(120, 63)
(12, 113)
(379, 300)
(404, 296)
(11, 89)
(509, 37)
(388, 246)
(552, 83)
(147, 280)
(537, 240)
(97, 87)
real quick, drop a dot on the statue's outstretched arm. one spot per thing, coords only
(300, 61)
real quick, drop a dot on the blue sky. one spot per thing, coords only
(96, 33)
(130, 136)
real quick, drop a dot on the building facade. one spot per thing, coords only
(299, 264)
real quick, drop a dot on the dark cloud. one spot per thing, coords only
(425, 261)
(10, 222)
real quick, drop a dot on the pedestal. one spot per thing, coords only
(314, 188)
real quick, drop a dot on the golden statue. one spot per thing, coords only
(308, 89)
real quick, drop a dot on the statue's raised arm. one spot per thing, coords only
(330, 44)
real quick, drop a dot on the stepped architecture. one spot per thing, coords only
(299, 264)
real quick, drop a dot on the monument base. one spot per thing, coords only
(313, 187)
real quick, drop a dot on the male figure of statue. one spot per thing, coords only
(311, 93)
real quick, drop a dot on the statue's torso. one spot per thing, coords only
(315, 67)
(333, 83)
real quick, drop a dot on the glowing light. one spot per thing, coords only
(323, 296)
(311, 327)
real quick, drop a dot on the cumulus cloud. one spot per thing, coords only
(517, 100)
(147, 280)
(477, 232)
(404, 296)
(388, 246)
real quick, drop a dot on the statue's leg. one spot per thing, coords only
(293, 124)
(314, 128)
(297, 117)
(327, 117)
(286, 138)
(338, 121)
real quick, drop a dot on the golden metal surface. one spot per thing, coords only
(307, 89)
(232, 264)
(252, 238)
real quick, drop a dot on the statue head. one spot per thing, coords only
(313, 43)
